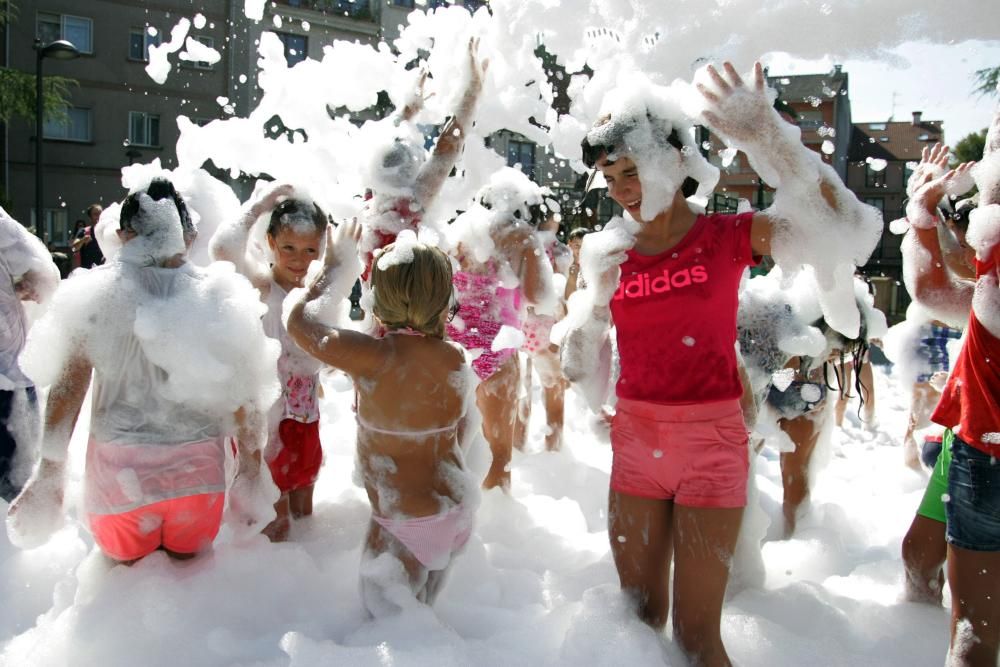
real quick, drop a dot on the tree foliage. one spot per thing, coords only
(970, 148)
(17, 88)
(987, 81)
(17, 95)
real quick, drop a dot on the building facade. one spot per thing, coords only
(118, 115)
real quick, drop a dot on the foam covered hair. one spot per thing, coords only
(159, 188)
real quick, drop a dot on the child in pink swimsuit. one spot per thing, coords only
(416, 418)
(295, 232)
(494, 277)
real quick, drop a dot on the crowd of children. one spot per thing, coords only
(205, 382)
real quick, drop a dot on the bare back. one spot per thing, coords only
(410, 410)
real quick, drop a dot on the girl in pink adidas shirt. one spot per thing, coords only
(668, 278)
(415, 412)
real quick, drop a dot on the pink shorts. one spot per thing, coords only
(183, 525)
(695, 455)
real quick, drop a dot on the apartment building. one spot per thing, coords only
(881, 158)
(118, 115)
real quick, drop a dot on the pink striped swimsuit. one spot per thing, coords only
(484, 307)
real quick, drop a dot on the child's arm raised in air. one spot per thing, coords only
(815, 220)
(229, 243)
(37, 512)
(449, 144)
(925, 272)
(350, 351)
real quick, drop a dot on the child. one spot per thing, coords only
(26, 274)
(180, 363)
(414, 411)
(295, 236)
(668, 277)
(542, 354)
(500, 260)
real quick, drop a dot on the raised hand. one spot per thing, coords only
(933, 164)
(477, 67)
(341, 244)
(921, 211)
(734, 109)
(265, 199)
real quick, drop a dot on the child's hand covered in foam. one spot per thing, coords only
(37, 512)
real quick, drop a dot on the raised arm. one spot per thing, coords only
(815, 220)
(452, 138)
(37, 512)
(925, 271)
(520, 246)
(309, 321)
(229, 243)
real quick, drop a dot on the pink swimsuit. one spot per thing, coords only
(484, 307)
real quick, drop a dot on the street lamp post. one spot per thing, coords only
(59, 50)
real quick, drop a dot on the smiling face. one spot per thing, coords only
(293, 251)
(622, 177)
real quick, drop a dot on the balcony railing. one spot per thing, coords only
(355, 9)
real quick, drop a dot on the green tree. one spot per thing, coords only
(970, 147)
(987, 80)
(17, 88)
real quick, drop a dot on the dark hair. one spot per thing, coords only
(537, 213)
(577, 233)
(962, 210)
(291, 210)
(614, 140)
(158, 189)
(851, 349)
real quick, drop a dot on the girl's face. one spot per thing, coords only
(293, 251)
(622, 177)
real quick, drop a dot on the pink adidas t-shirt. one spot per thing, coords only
(675, 314)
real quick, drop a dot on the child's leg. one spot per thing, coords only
(497, 400)
(845, 393)
(300, 501)
(704, 542)
(924, 551)
(640, 533)
(554, 393)
(804, 432)
(975, 606)
(387, 568)
(523, 415)
(277, 530)
(868, 382)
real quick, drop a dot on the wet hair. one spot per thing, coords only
(613, 141)
(159, 188)
(852, 350)
(413, 294)
(577, 233)
(962, 210)
(537, 214)
(290, 213)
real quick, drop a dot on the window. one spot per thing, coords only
(210, 43)
(296, 47)
(73, 126)
(143, 128)
(139, 41)
(522, 153)
(873, 178)
(352, 8)
(877, 202)
(473, 5)
(403, 3)
(877, 127)
(55, 226)
(74, 29)
(434, 4)
(810, 120)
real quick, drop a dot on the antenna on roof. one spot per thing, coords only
(892, 114)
